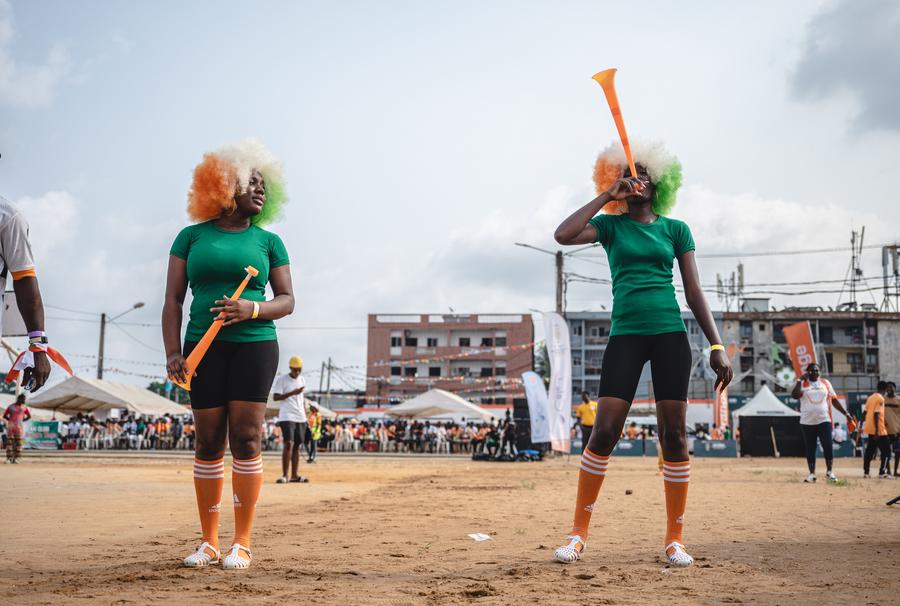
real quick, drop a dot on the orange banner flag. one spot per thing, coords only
(800, 346)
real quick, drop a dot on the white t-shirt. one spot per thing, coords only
(839, 435)
(15, 250)
(815, 403)
(292, 408)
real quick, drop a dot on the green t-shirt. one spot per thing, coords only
(215, 267)
(640, 261)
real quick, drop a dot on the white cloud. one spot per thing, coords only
(52, 220)
(28, 85)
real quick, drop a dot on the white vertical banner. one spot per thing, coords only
(556, 335)
(538, 406)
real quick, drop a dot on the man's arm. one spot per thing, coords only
(31, 306)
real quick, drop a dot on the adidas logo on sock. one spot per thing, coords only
(215, 508)
(237, 501)
(679, 519)
(589, 508)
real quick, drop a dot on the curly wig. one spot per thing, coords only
(226, 172)
(664, 170)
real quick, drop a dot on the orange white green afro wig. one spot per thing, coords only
(225, 173)
(664, 170)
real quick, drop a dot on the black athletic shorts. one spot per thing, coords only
(233, 371)
(895, 444)
(293, 431)
(670, 360)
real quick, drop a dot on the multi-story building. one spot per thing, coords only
(854, 348)
(473, 355)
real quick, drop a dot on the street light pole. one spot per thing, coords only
(102, 340)
(103, 320)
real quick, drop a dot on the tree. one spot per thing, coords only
(175, 393)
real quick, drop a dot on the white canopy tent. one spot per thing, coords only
(273, 407)
(438, 403)
(763, 404)
(81, 394)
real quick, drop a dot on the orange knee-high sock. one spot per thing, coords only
(209, 479)
(593, 469)
(246, 481)
(676, 477)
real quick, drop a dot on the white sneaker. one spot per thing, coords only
(810, 479)
(234, 560)
(831, 477)
(569, 553)
(206, 555)
(679, 557)
(885, 476)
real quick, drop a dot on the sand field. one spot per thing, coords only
(379, 530)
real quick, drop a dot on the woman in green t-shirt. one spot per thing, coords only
(234, 191)
(642, 244)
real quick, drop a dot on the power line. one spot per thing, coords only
(136, 340)
(776, 253)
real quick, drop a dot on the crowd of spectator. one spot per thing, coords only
(85, 432)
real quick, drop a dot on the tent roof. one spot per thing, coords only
(82, 394)
(765, 404)
(437, 402)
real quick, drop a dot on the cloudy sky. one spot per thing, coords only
(421, 140)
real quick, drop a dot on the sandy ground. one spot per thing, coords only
(393, 531)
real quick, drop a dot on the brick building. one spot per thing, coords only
(473, 355)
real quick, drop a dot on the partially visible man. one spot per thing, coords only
(587, 416)
(288, 389)
(16, 259)
(16, 415)
(876, 432)
(892, 423)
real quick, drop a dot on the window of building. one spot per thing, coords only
(762, 327)
(434, 371)
(487, 341)
(576, 359)
(577, 330)
(396, 341)
(500, 341)
(487, 371)
(396, 371)
(432, 342)
(829, 361)
(412, 341)
(872, 362)
(855, 361)
(464, 371)
(826, 334)
(598, 331)
(746, 330)
(695, 328)
(464, 342)
(500, 371)
(410, 371)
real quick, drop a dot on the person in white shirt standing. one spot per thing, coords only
(288, 390)
(816, 397)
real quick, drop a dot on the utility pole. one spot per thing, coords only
(560, 282)
(103, 320)
(559, 258)
(321, 378)
(328, 383)
(100, 352)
